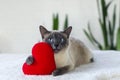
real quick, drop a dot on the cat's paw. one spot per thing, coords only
(29, 60)
(92, 60)
(60, 71)
(56, 72)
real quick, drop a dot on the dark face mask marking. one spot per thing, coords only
(57, 41)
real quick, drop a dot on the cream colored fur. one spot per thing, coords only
(75, 54)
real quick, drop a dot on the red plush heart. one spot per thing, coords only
(44, 62)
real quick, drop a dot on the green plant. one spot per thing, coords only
(118, 35)
(118, 39)
(56, 22)
(65, 22)
(108, 28)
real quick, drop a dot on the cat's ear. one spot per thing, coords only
(43, 31)
(68, 31)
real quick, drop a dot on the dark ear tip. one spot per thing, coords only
(40, 26)
(70, 27)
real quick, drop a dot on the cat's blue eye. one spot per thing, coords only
(62, 40)
(50, 40)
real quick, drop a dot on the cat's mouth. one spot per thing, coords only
(56, 50)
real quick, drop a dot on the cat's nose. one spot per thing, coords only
(55, 46)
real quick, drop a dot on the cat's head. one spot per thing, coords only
(57, 39)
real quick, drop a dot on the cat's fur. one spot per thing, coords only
(68, 52)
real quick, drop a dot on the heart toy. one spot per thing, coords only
(44, 63)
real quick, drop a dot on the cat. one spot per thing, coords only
(69, 52)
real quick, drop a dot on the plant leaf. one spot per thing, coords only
(107, 6)
(118, 39)
(114, 18)
(88, 36)
(111, 35)
(104, 25)
(66, 22)
(118, 35)
(55, 22)
(104, 33)
(104, 11)
(93, 38)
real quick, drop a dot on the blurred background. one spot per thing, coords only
(20, 21)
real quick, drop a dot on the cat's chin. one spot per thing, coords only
(56, 50)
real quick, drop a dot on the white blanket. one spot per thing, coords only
(105, 67)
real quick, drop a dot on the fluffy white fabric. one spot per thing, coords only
(105, 67)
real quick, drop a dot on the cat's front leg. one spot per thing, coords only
(29, 60)
(60, 71)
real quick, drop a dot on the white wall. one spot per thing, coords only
(20, 19)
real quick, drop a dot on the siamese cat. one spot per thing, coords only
(68, 52)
